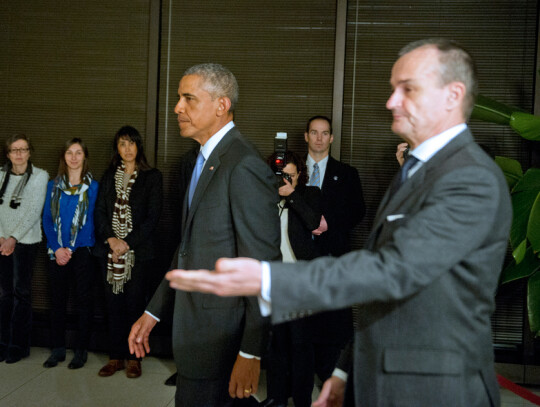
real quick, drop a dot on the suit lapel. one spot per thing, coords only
(390, 204)
(329, 173)
(210, 167)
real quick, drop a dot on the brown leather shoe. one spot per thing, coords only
(133, 369)
(110, 368)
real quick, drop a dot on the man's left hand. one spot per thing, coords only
(244, 377)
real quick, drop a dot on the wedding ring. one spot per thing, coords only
(247, 391)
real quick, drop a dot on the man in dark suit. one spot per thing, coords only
(342, 199)
(424, 285)
(231, 210)
(342, 205)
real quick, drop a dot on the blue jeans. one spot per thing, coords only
(16, 296)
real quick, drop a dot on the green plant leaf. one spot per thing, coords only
(533, 226)
(489, 110)
(526, 125)
(519, 252)
(533, 302)
(522, 203)
(527, 267)
(524, 194)
(511, 169)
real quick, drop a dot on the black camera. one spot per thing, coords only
(280, 147)
(285, 176)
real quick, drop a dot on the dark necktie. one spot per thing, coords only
(195, 176)
(404, 172)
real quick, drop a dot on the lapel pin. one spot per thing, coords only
(335, 177)
(211, 168)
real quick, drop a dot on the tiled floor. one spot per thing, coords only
(28, 384)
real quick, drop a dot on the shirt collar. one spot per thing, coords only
(213, 141)
(310, 162)
(433, 145)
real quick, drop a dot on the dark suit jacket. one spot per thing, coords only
(424, 286)
(343, 208)
(233, 213)
(304, 215)
(145, 201)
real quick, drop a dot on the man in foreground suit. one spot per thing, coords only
(343, 208)
(424, 286)
(230, 211)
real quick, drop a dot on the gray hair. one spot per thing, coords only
(455, 65)
(218, 81)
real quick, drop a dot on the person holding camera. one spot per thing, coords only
(290, 363)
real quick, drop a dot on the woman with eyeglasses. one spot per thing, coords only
(68, 223)
(127, 212)
(22, 194)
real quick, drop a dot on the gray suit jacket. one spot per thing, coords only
(233, 213)
(423, 287)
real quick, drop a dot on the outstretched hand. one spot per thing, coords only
(232, 277)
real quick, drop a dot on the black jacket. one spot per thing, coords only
(145, 201)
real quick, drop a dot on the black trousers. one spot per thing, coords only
(291, 363)
(125, 307)
(75, 275)
(202, 393)
(16, 296)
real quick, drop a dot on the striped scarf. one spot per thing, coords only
(61, 185)
(120, 272)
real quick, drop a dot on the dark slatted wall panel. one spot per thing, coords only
(281, 52)
(71, 69)
(500, 34)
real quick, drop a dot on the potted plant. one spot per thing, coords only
(525, 194)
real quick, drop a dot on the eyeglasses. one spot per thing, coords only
(19, 150)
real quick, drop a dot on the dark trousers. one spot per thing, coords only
(16, 296)
(202, 393)
(77, 275)
(291, 364)
(125, 308)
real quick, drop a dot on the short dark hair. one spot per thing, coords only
(319, 117)
(16, 137)
(132, 134)
(455, 65)
(62, 166)
(218, 81)
(290, 157)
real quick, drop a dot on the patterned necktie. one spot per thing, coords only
(315, 180)
(195, 176)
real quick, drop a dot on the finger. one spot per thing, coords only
(254, 387)
(323, 396)
(232, 389)
(225, 265)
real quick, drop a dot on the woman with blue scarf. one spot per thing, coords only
(68, 222)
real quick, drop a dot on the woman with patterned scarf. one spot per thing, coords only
(127, 213)
(22, 193)
(68, 222)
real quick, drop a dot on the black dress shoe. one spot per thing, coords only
(171, 381)
(57, 355)
(14, 354)
(78, 361)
